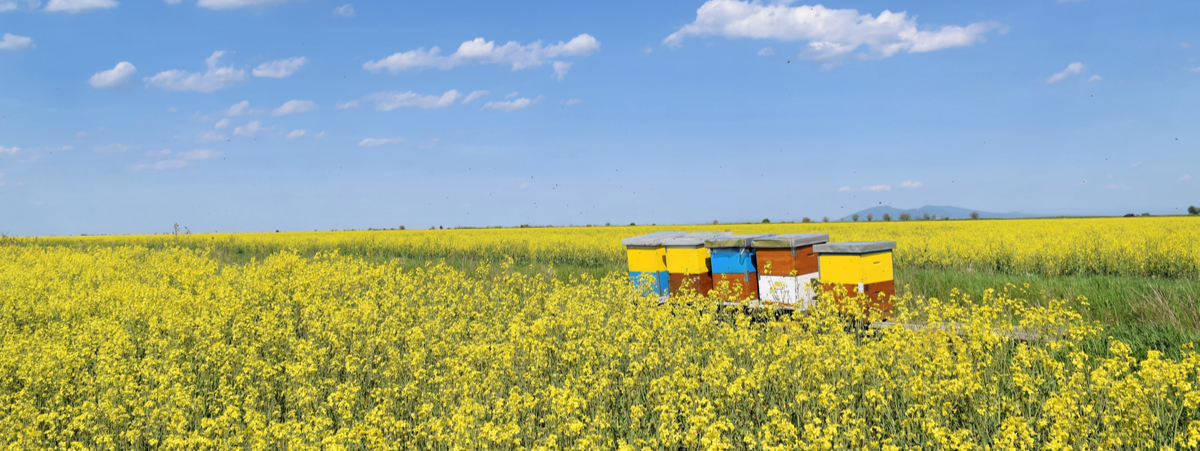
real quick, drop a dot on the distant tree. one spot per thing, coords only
(401, 227)
(766, 221)
(714, 222)
(1194, 210)
(608, 224)
(887, 216)
(926, 216)
(870, 217)
(855, 217)
(806, 220)
(632, 224)
(825, 219)
(905, 217)
(1145, 214)
(974, 215)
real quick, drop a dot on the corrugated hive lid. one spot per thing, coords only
(855, 247)
(734, 241)
(792, 240)
(649, 239)
(693, 239)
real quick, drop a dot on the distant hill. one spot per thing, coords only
(933, 210)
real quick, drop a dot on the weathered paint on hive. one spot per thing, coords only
(851, 268)
(781, 262)
(701, 284)
(795, 291)
(687, 260)
(649, 282)
(741, 287)
(644, 259)
(733, 260)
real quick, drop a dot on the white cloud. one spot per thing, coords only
(173, 2)
(877, 188)
(279, 68)
(162, 165)
(910, 184)
(475, 95)
(524, 185)
(221, 124)
(428, 144)
(209, 136)
(570, 102)
(1185, 177)
(319, 135)
(560, 69)
(486, 52)
(9, 150)
(647, 51)
(233, 4)
(249, 130)
(1095, 78)
(238, 109)
(346, 10)
(510, 105)
(1196, 69)
(296, 134)
(845, 189)
(832, 34)
(388, 101)
(14, 42)
(158, 153)
(1184, 45)
(172, 109)
(80, 134)
(766, 51)
(213, 79)
(74, 6)
(511, 95)
(1072, 69)
(373, 142)
(7, 6)
(294, 107)
(110, 148)
(199, 154)
(350, 104)
(113, 78)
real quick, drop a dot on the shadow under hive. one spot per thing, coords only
(787, 268)
(860, 268)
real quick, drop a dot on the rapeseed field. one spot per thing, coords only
(155, 345)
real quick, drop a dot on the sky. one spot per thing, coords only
(259, 115)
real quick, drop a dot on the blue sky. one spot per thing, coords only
(249, 115)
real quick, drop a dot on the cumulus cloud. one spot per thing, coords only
(511, 105)
(474, 95)
(279, 68)
(1072, 69)
(9, 150)
(486, 52)
(210, 136)
(234, 4)
(350, 104)
(110, 148)
(910, 184)
(845, 189)
(1095, 78)
(319, 135)
(877, 188)
(199, 154)
(238, 109)
(75, 6)
(296, 134)
(7, 6)
(213, 79)
(560, 69)
(14, 42)
(249, 130)
(570, 102)
(766, 51)
(114, 78)
(388, 101)
(221, 124)
(346, 10)
(831, 34)
(294, 107)
(376, 142)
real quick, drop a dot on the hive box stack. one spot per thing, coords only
(648, 262)
(860, 267)
(787, 267)
(688, 262)
(733, 264)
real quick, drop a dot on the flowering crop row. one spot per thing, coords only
(136, 348)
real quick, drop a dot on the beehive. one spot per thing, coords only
(860, 268)
(787, 267)
(648, 262)
(689, 265)
(733, 265)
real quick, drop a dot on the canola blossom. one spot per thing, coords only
(1154, 246)
(128, 347)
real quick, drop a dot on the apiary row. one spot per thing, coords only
(775, 269)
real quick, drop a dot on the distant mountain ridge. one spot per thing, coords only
(933, 210)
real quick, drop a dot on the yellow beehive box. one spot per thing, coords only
(646, 253)
(855, 262)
